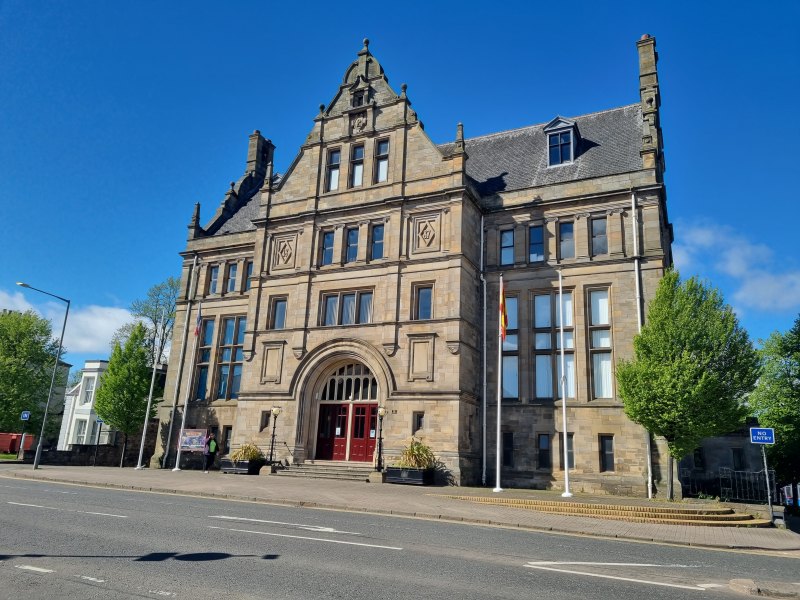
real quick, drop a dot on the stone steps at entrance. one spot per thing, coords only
(345, 471)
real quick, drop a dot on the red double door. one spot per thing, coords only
(343, 424)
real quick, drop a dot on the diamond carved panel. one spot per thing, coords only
(283, 254)
(427, 233)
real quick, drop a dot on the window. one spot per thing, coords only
(377, 242)
(332, 176)
(265, 417)
(570, 451)
(227, 434)
(357, 165)
(417, 421)
(231, 277)
(347, 308)
(231, 355)
(507, 247)
(543, 447)
(560, 146)
(213, 278)
(423, 302)
(606, 453)
(248, 273)
(277, 318)
(566, 240)
(358, 99)
(547, 344)
(599, 238)
(600, 344)
(80, 431)
(511, 351)
(699, 459)
(351, 252)
(88, 390)
(327, 248)
(737, 454)
(508, 448)
(382, 161)
(203, 358)
(536, 243)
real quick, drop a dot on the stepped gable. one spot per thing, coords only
(608, 143)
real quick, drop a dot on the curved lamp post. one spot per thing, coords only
(276, 410)
(55, 370)
(381, 414)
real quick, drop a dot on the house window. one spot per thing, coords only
(347, 308)
(417, 421)
(737, 454)
(508, 448)
(560, 146)
(332, 176)
(570, 451)
(377, 242)
(423, 302)
(80, 431)
(547, 344)
(566, 240)
(382, 161)
(327, 248)
(599, 239)
(357, 165)
(543, 447)
(248, 273)
(88, 390)
(606, 453)
(352, 245)
(507, 247)
(231, 277)
(511, 351)
(231, 355)
(536, 243)
(277, 318)
(213, 279)
(203, 358)
(600, 344)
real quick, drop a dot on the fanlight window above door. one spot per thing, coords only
(352, 382)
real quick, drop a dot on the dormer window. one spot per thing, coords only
(358, 99)
(560, 145)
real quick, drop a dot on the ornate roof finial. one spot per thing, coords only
(365, 50)
(460, 132)
(366, 43)
(403, 88)
(321, 108)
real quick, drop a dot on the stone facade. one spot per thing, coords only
(368, 275)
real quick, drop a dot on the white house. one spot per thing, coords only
(79, 423)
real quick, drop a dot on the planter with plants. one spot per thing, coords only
(246, 460)
(416, 466)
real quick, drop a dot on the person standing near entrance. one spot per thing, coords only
(210, 451)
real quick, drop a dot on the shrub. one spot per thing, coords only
(247, 452)
(417, 455)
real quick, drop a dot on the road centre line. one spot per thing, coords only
(94, 579)
(608, 564)
(85, 512)
(317, 528)
(301, 537)
(31, 568)
(645, 581)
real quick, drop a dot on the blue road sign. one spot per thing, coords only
(25, 416)
(759, 435)
(99, 420)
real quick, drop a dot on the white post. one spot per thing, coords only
(186, 395)
(563, 378)
(769, 489)
(497, 487)
(139, 466)
(485, 385)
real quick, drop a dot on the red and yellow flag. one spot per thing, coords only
(503, 313)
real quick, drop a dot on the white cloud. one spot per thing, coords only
(761, 283)
(15, 301)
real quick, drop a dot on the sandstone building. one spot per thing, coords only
(367, 275)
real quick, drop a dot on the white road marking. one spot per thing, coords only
(709, 585)
(161, 593)
(316, 528)
(301, 537)
(606, 564)
(30, 568)
(645, 581)
(87, 578)
(84, 512)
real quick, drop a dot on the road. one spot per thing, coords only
(63, 541)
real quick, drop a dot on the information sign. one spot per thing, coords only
(25, 416)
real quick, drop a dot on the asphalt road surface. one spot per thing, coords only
(63, 541)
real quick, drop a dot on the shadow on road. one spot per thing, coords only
(152, 557)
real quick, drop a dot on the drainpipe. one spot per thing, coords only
(483, 284)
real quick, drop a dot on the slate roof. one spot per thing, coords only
(512, 160)
(242, 219)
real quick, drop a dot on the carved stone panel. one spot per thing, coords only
(284, 251)
(273, 362)
(426, 233)
(358, 123)
(420, 360)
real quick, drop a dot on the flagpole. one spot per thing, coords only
(139, 466)
(500, 332)
(563, 382)
(188, 386)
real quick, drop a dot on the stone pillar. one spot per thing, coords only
(582, 235)
(615, 233)
(551, 239)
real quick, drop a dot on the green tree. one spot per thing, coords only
(121, 398)
(27, 357)
(776, 400)
(693, 367)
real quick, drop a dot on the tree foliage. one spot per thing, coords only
(694, 365)
(27, 357)
(776, 400)
(121, 398)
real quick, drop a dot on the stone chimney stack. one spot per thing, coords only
(652, 144)
(259, 154)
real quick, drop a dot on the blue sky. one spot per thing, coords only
(116, 117)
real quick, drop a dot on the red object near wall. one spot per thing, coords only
(9, 442)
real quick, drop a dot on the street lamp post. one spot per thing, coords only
(381, 414)
(276, 410)
(55, 370)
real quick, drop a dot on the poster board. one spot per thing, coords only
(193, 440)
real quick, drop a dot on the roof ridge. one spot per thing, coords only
(496, 133)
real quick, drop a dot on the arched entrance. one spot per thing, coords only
(348, 414)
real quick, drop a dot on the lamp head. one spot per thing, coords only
(276, 410)
(22, 284)
(381, 411)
